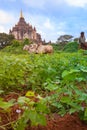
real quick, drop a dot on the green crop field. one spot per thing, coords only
(63, 73)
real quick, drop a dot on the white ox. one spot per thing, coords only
(45, 49)
(35, 48)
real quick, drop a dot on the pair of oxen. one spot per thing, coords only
(38, 49)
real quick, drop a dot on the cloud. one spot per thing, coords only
(48, 24)
(7, 19)
(34, 3)
(10, 0)
(46, 3)
(59, 33)
(42, 4)
(77, 3)
(2, 28)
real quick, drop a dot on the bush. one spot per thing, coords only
(71, 47)
(16, 43)
(27, 41)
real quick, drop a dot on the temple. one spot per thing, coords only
(24, 30)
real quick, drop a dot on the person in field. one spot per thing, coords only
(82, 41)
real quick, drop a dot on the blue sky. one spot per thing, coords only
(51, 18)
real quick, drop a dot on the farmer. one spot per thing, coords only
(82, 42)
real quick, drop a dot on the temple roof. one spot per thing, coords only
(21, 14)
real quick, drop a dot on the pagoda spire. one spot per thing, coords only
(21, 14)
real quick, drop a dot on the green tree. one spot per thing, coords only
(5, 39)
(64, 38)
(27, 41)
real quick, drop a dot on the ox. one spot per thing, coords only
(44, 49)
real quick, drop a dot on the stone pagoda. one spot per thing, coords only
(24, 30)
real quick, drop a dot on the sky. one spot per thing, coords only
(52, 18)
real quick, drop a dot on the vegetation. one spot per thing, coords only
(50, 83)
(5, 40)
(16, 47)
(64, 38)
(71, 47)
(66, 47)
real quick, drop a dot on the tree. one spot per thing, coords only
(27, 41)
(64, 39)
(76, 39)
(5, 39)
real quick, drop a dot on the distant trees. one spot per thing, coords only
(64, 39)
(76, 39)
(5, 39)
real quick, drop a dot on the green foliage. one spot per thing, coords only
(16, 43)
(66, 47)
(61, 78)
(71, 47)
(77, 74)
(70, 93)
(5, 105)
(64, 74)
(36, 71)
(5, 40)
(27, 41)
(16, 47)
(34, 113)
(58, 47)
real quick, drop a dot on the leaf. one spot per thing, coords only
(83, 97)
(5, 105)
(84, 70)
(72, 110)
(66, 100)
(41, 107)
(30, 94)
(67, 73)
(39, 97)
(85, 113)
(1, 91)
(37, 118)
(41, 119)
(22, 100)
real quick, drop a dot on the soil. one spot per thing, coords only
(68, 122)
(54, 122)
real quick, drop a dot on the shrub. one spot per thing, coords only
(71, 47)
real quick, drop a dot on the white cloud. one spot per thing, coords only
(77, 3)
(34, 3)
(42, 3)
(61, 32)
(5, 17)
(48, 24)
(2, 29)
(9, 0)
